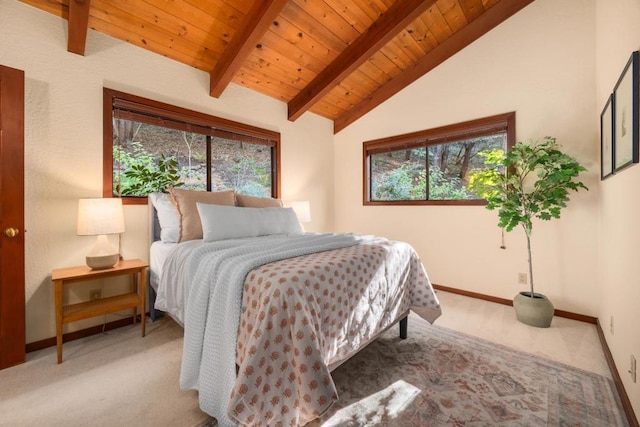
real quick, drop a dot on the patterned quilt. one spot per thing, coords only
(303, 304)
(303, 314)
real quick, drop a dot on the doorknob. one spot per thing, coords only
(11, 232)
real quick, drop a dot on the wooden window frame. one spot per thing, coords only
(424, 138)
(137, 106)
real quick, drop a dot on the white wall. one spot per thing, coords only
(63, 142)
(618, 34)
(540, 64)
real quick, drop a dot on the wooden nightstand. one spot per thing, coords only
(98, 307)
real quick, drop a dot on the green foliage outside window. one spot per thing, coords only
(400, 175)
(140, 173)
(153, 145)
(433, 166)
(149, 158)
(442, 187)
(251, 178)
(409, 183)
(398, 184)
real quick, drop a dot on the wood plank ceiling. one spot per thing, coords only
(337, 58)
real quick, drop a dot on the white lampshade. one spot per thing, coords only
(302, 210)
(99, 217)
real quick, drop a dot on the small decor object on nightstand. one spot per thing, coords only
(99, 217)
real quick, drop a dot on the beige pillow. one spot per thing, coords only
(257, 202)
(185, 202)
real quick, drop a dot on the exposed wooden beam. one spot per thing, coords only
(254, 25)
(78, 25)
(474, 30)
(394, 20)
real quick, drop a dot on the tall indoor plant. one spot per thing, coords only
(537, 184)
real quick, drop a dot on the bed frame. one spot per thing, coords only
(154, 235)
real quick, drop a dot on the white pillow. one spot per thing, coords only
(167, 217)
(230, 222)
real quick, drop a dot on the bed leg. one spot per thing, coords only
(404, 323)
(153, 313)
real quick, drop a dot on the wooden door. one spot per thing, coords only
(12, 291)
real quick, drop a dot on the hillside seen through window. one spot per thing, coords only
(433, 166)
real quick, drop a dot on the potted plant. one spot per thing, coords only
(537, 182)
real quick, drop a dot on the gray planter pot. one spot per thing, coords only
(536, 311)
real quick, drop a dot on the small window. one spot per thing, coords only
(148, 144)
(433, 166)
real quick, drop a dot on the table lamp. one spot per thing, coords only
(99, 217)
(302, 210)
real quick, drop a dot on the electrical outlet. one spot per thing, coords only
(522, 278)
(95, 294)
(611, 326)
(632, 369)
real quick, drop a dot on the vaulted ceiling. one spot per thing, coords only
(336, 58)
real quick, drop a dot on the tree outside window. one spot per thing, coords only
(433, 166)
(151, 145)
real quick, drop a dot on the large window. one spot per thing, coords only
(148, 144)
(433, 166)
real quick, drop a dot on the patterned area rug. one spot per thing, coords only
(440, 377)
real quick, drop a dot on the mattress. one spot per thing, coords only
(158, 254)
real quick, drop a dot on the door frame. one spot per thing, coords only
(12, 252)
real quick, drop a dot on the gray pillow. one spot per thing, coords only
(229, 222)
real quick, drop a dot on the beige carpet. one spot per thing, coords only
(112, 379)
(119, 378)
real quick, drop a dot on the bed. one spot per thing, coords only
(267, 317)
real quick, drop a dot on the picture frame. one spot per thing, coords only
(606, 138)
(625, 116)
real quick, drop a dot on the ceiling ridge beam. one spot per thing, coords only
(445, 50)
(398, 17)
(78, 25)
(253, 27)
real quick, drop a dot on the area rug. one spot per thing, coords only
(440, 377)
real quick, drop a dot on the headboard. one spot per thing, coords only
(154, 235)
(154, 224)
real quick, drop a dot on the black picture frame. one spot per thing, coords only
(606, 138)
(625, 116)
